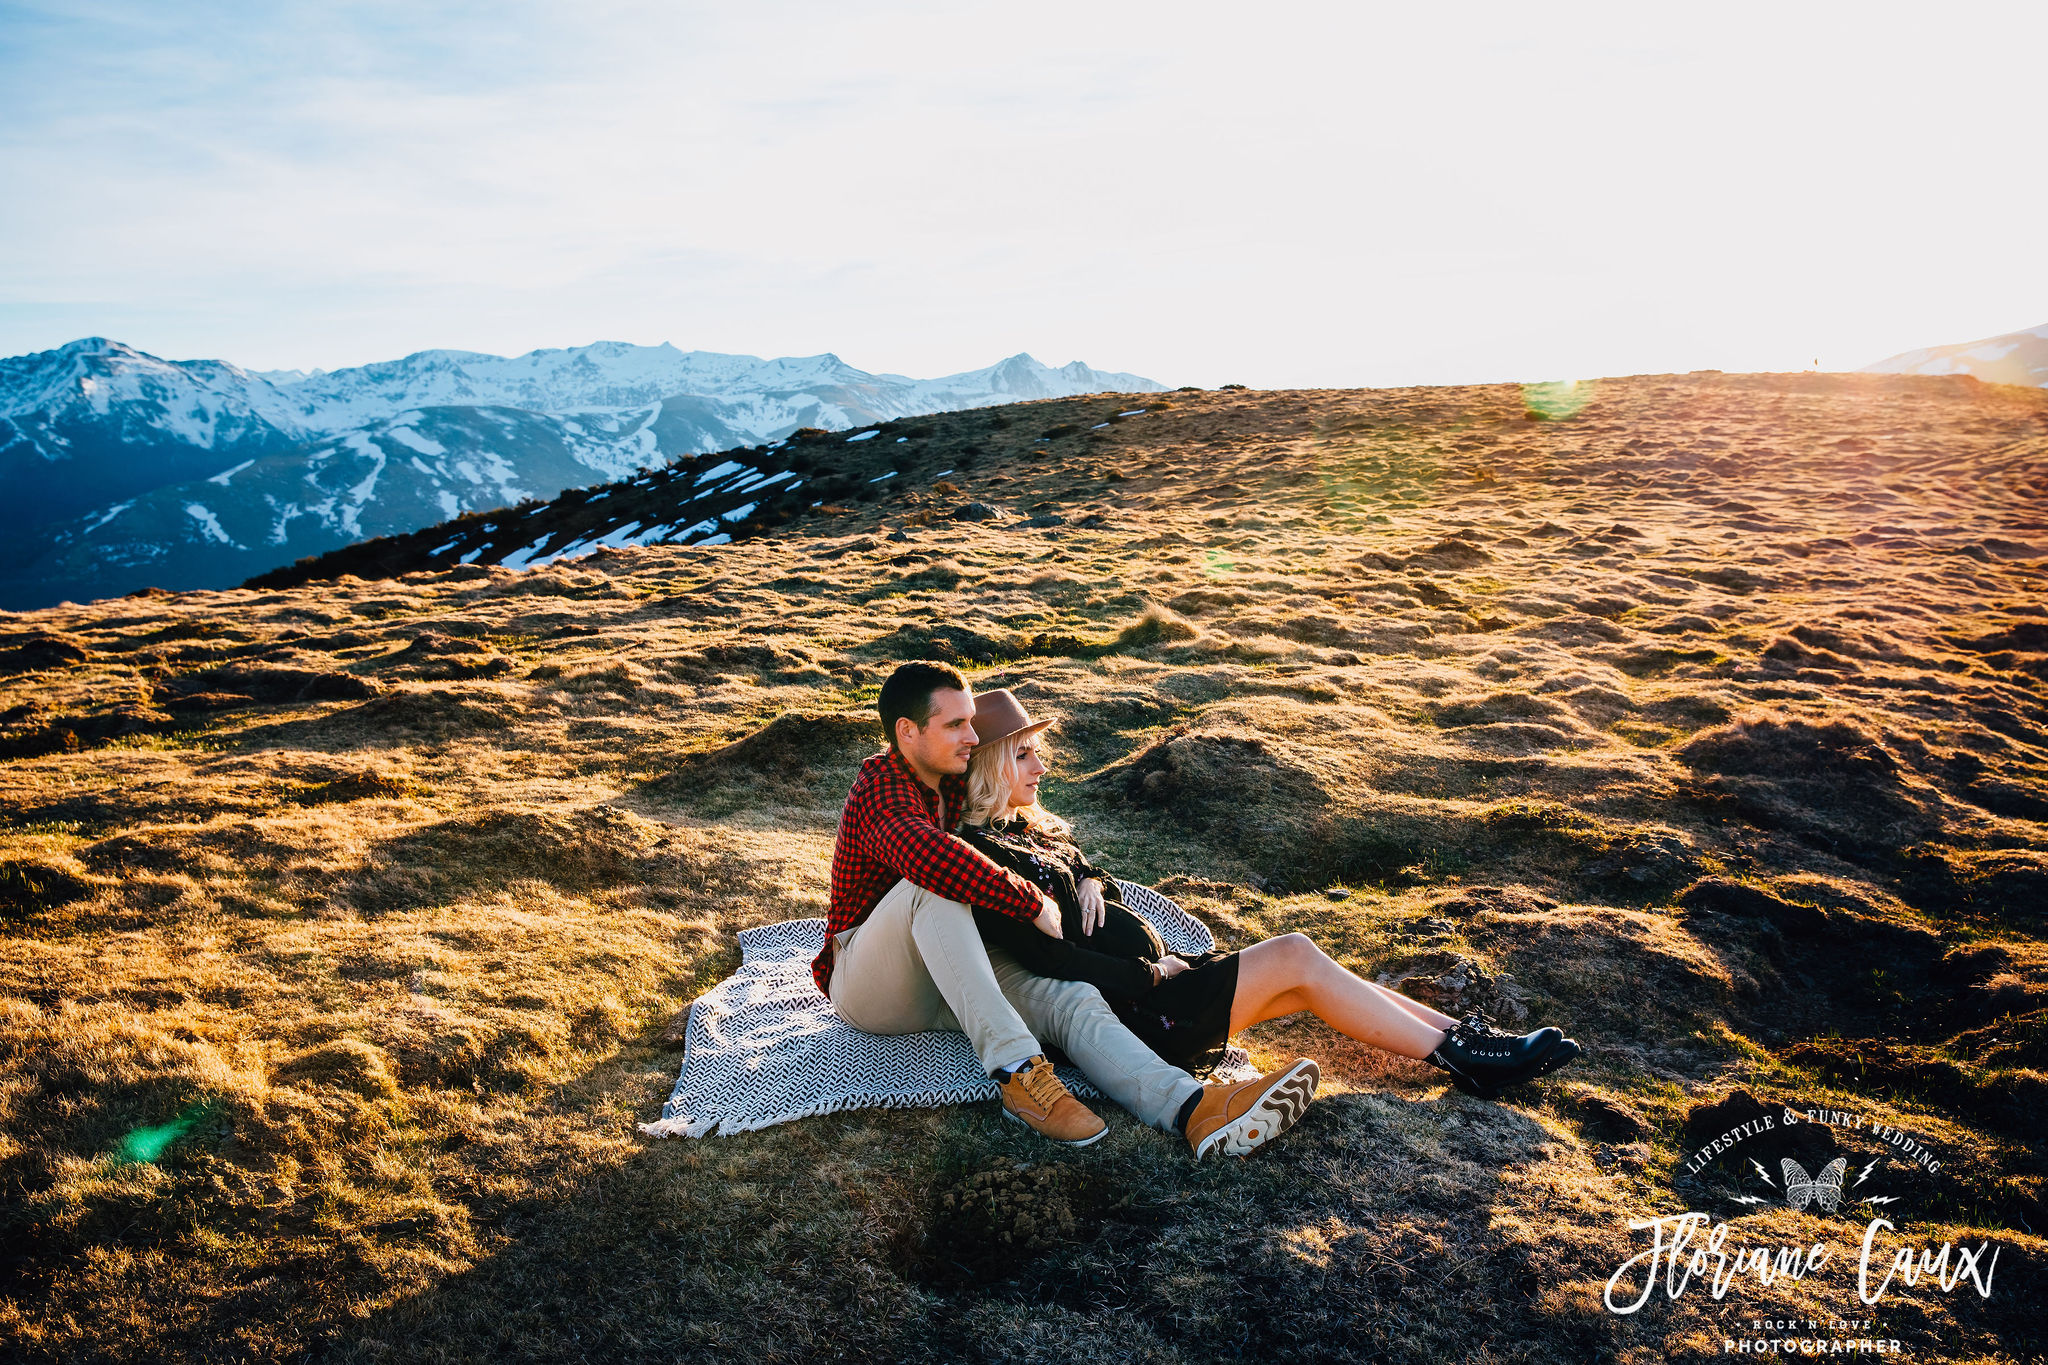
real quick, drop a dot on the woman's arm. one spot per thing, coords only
(1118, 978)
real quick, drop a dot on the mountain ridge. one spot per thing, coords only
(2009, 358)
(105, 448)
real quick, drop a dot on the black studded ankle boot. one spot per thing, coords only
(1483, 1060)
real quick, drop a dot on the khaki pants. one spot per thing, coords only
(917, 964)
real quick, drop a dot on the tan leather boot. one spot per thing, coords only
(1035, 1098)
(1237, 1119)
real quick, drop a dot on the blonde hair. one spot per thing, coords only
(991, 773)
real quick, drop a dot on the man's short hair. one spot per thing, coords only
(908, 693)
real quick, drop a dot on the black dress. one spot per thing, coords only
(1185, 1019)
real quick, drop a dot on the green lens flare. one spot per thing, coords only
(1558, 399)
(147, 1144)
(1216, 564)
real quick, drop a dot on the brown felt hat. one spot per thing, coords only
(998, 715)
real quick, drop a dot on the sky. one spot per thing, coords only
(1283, 195)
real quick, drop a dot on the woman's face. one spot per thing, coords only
(1030, 767)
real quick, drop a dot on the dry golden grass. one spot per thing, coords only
(343, 923)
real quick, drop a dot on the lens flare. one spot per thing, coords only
(147, 1144)
(1558, 399)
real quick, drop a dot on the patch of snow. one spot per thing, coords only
(209, 524)
(901, 439)
(942, 473)
(740, 513)
(1098, 426)
(444, 549)
(719, 471)
(620, 536)
(517, 559)
(864, 436)
(226, 474)
(425, 445)
(116, 510)
(1134, 412)
(879, 477)
(470, 558)
(719, 539)
(351, 516)
(599, 498)
(451, 506)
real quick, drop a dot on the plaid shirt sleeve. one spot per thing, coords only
(887, 833)
(902, 838)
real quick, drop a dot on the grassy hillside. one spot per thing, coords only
(1706, 716)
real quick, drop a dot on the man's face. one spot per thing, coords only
(947, 740)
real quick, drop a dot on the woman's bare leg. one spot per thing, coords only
(1286, 975)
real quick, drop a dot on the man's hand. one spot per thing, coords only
(1092, 911)
(1048, 921)
(1170, 967)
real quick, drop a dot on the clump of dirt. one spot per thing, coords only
(1776, 744)
(2015, 1100)
(35, 650)
(435, 657)
(943, 644)
(2007, 880)
(1610, 971)
(346, 1064)
(1458, 986)
(153, 851)
(1005, 1217)
(358, 786)
(1501, 706)
(433, 1047)
(799, 756)
(1720, 895)
(36, 732)
(1644, 862)
(1002, 1209)
(29, 888)
(1505, 900)
(1603, 1116)
(271, 685)
(742, 660)
(582, 850)
(1831, 781)
(1155, 625)
(1237, 785)
(431, 712)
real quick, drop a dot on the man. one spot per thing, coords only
(902, 954)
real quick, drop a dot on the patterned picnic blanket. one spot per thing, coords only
(763, 1047)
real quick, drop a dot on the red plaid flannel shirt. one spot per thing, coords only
(888, 832)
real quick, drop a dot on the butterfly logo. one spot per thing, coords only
(1824, 1189)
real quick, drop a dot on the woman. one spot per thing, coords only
(1186, 1010)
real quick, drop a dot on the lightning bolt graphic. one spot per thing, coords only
(1865, 1173)
(1764, 1173)
(1882, 1199)
(1749, 1199)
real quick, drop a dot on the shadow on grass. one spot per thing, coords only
(949, 1234)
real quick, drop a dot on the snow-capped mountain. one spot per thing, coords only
(122, 469)
(2015, 358)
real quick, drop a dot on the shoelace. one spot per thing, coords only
(1484, 1040)
(1042, 1086)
